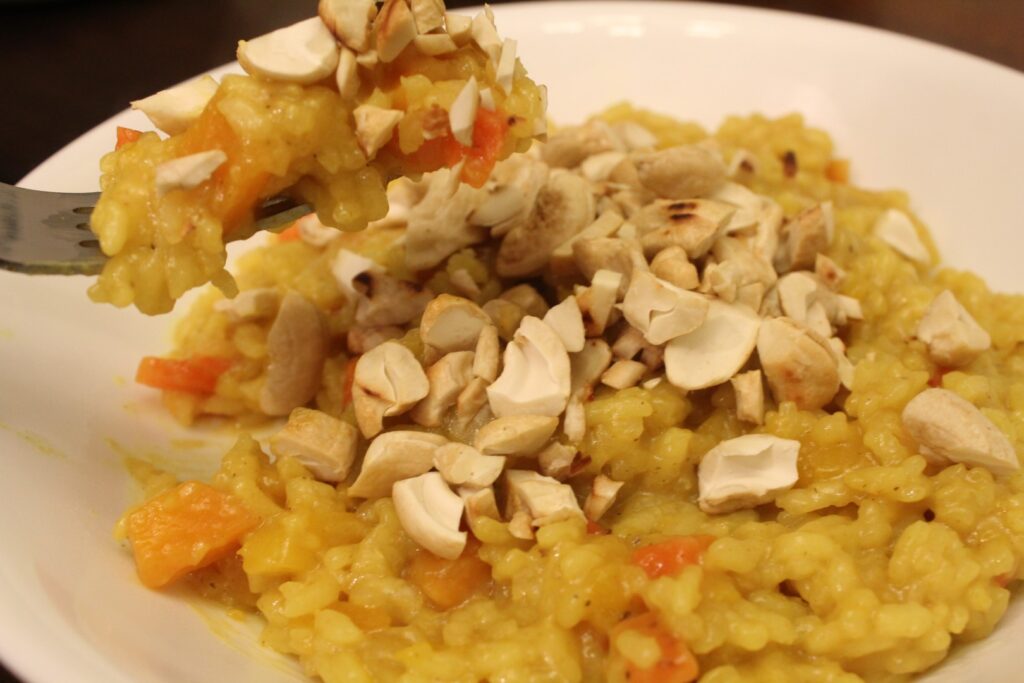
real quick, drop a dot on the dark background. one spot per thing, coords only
(67, 66)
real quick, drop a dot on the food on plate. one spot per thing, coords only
(331, 108)
(649, 405)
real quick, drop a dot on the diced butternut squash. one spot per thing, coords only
(197, 375)
(449, 583)
(669, 557)
(191, 526)
(677, 664)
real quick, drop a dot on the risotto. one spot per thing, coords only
(651, 404)
(331, 108)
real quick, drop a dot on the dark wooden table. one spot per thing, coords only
(67, 66)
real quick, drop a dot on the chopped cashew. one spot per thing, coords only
(387, 381)
(389, 301)
(954, 338)
(512, 194)
(568, 147)
(448, 377)
(749, 397)
(574, 425)
(360, 340)
(588, 365)
(463, 283)
(608, 253)
(546, 499)
(563, 260)
(394, 456)
(948, 428)
(451, 323)
(683, 172)
(628, 344)
(807, 235)
(599, 167)
(438, 225)
(520, 525)
(250, 304)
(460, 465)
(430, 513)
(897, 230)
(297, 348)
(472, 401)
(374, 127)
(715, 351)
(349, 20)
(528, 299)
(602, 496)
(505, 316)
(661, 310)
(429, 14)
(555, 460)
(462, 116)
(188, 172)
(347, 75)
(486, 36)
(173, 109)
(535, 379)
(797, 363)
(597, 302)
(479, 503)
(434, 44)
(347, 268)
(305, 53)
(623, 374)
(567, 321)
(324, 444)
(395, 28)
(515, 435)
(693, 224)
(506, 66)
(564, 206)
(459, 27)
(635, 136)
(847, 371)
(828, 271)
(745, 472)
(806, 301)
(487, 356)
(673, 265)
(501, 204)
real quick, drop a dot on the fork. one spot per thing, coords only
(48, 232)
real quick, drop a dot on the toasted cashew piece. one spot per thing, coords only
(608, 253)
(394, 456)
(745, 472)
(460, 465)
(297, 349)
(948, 428)
(360, 340)
(395, 29)
(693, 224)
(547, 500)
(954, 338)
(448, 377)
(527, 298)
(673, 265)
(349, 20)
(438, 225)
(430, 514)
(174, 109)
(535, 378)
(749, 397)
(567, 321)
(661, 310)
(387, 381)
(716, 350)
(807, 235)
(555, 460)
(797, 363)
(250, 304)
(452, 323)
(623, 374)
(487, 356)
(897, 230)
(570, 146)
(324, 444)
(301, 53)
(515, 435)
(683, 172)
(480, 503)
(602, 496)
(505, 316)
(597, 302)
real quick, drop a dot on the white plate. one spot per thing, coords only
(938, 123)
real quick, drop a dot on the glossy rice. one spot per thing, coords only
(871, 568)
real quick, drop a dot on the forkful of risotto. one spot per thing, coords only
(328, 111)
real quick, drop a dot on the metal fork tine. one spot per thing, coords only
(48, 232)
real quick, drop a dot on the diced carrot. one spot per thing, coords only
(350, 378)
(196, 375)
(126, 136)
(595, 528)
(237, 185)
(490, 135)
(670, 556)
(191, 526)
(448, 583)
(289, 234)
(838, 170)
(676, 665)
